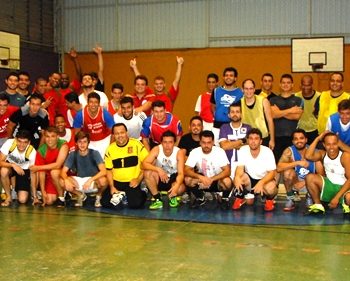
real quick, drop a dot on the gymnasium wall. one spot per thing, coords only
(250, 62)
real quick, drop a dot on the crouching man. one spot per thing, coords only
(89, 168)
(123, 163)
(16, 156)
(164, 171)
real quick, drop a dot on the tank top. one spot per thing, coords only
(335, 171)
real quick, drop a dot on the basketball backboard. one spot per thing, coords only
(318, 54)
(9, 50)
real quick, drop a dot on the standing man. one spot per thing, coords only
(203, 105)
(208, 169)
(48, 164)
(256, 112)
(124, 174)
(223, 97)
(329, 100)
(255, 173)
(90, 171)
(6, 111)
(286, 112)
(266, 86)
(334, 187)
(23, 83)
(132, 120)
(190, 141)
(53, 97)
(339, 123)
(308, 120)
(16, 156)
(31, 118)
(233, 135)
(159, 122)
(164, 171)
(114, 103)
(96, 121)
(87, 85)
(11, 81)
(159, 84)
(294, 168)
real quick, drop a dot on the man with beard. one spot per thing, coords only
(31, 118)
(256, 112)
(132, 120)
(223, 97)
(53, 97)
(23, 83)
(97, 122)
(190, 141)
(308, 120)
(294, 168)
(87, 86)
(334, 187)
(328, 101)
(11, 82)
(208, 169)
(255, 173)
(233, 135)
(156, 124)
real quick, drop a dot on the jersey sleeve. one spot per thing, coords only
(97, 157)
(146, 130)
(108, 118)
(108, 160)
(78, 120)
(173, 93)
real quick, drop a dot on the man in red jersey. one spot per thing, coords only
(6, 111)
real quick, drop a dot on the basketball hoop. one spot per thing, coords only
(317, 66)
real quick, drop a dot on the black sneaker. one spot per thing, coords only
(225, 204)
(197, 203)
(59, 203)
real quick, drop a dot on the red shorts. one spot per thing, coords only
(50, 188)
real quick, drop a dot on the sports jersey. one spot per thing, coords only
(139, 101)
(308, 121)
(334, 169)
(336, 126)
(103, 99)
(203, 107)
(254, 115)
(69, 138)
(4, 120)
(125, 161)
(70, 117)
(167, 163)
(208, 164)
(134, 124)
(168, 98)
(256, 167)
(223, 98)
(299, 170)
(23, 159)
(55, 96)
(98, 126)
(113, 110)
(153, 130)
(327, 106)
(46, 155)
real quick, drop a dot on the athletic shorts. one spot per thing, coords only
(162, 186)
(50, 188)
(329, 190)
(92, 188)
(22, 182)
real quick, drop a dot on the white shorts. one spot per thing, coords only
(101, 145)
(92, 188)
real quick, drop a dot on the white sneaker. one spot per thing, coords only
(80, 200)
(98, 201)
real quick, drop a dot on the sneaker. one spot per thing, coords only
(98, 201)
(269, 205)
(316, 209)
(59, 203)
(208, 196)
(224, 204)
(156, 204)
(173, 203)
(238, 203)
(117, 198)
(308, 201)
(198, 202)
(185, 198)
(346, 208)
(80, 200)
(289, 206)
(297, 197)
(249, 198)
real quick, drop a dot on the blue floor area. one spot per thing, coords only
(252, 215)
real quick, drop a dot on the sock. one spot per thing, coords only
(157, 196)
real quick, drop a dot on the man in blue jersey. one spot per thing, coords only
(339, 123)
(294, 168)
(223, 97)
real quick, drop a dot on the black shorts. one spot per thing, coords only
(22, 182)
(214, 187)
(162, 186)
(253, 182)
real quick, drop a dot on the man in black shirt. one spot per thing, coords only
(191, 140)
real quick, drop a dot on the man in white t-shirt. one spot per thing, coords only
(16, 156)
(208, 169)
(88, 87)
(132, 120)
(255, 173)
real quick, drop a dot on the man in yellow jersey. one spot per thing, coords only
(328, 101)
(123, 163)
(308, 120)
(266, 86)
